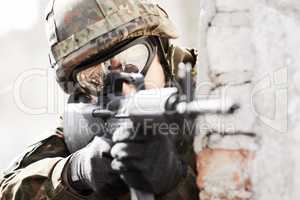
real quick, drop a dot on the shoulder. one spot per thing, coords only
(51, 146)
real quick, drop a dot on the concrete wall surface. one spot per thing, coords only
(249, 51)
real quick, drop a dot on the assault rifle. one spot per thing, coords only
(83, 121)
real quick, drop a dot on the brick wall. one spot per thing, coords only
(249, 53)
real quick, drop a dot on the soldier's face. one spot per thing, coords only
(154, 77)
(138, 58)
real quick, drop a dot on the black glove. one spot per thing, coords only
(90, 170)
(146, 162)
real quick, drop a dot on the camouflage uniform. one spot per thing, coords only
(38, 174)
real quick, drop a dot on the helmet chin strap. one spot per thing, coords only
(163, 46)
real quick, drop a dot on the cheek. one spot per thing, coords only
(127, 89)
(155, 77)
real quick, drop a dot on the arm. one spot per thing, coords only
(33, 183)
(150, 163)
(42, 173)
(39, 180)
(186, 188)
(38, 173)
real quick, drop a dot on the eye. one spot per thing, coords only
(91, 78)
(136, 55)
(131, 60)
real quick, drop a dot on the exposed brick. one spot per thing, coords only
(224, 174)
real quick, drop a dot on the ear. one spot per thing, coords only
(177, 55)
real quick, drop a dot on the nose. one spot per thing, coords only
(115, 64)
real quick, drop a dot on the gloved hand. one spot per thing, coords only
(90, 170)
(146, 162)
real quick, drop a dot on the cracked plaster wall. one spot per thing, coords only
(249, 53)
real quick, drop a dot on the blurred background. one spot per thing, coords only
(30, 100)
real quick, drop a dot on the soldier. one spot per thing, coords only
(87, 39)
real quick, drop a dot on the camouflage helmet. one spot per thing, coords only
(79, 30)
